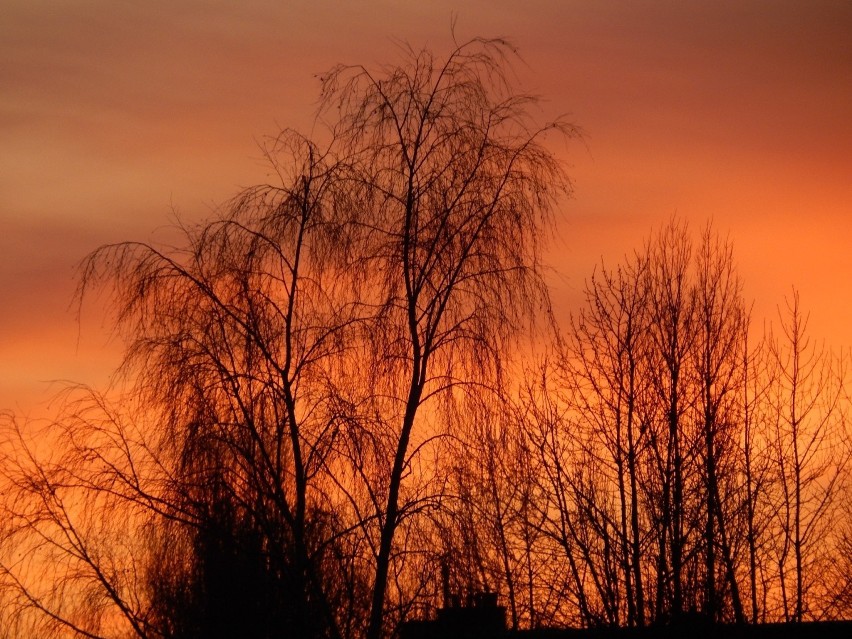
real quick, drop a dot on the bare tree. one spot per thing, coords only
(809, 467)
(609, 341)
(757, 461)
(229, 343)
(672, 335)
(719, 327)
(454, 191)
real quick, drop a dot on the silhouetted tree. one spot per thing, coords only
(453, 191)
(672, 336)
(609, 341)
(809, 457)
(720, 326)
(757, 462)
(229, 342)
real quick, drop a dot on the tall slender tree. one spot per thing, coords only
(454, 190)
(719, 327)
(808, 460)
(608, 348)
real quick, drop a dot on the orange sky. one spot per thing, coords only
(114, 113)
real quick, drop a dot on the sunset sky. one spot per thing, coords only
(114, 115)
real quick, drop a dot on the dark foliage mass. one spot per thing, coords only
(345, 401)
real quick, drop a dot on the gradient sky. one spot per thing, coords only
(113, 114)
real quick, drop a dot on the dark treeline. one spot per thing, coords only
(331, 415)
